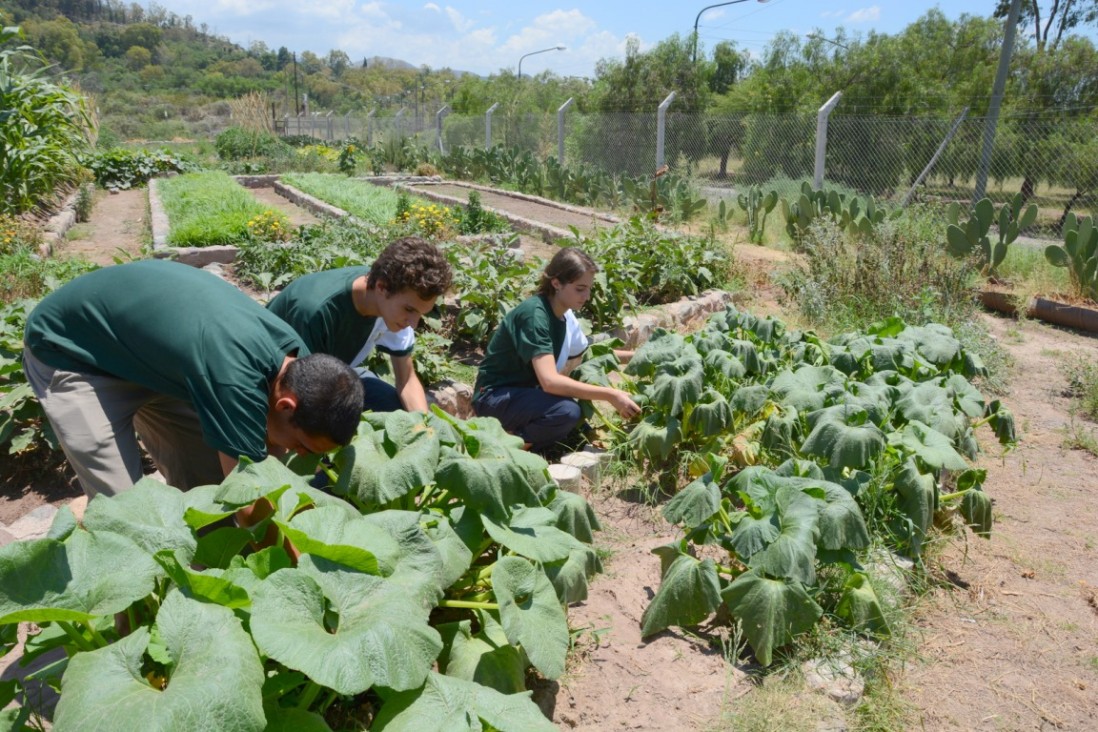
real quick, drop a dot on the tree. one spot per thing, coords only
(338, 62)
(1062, 17)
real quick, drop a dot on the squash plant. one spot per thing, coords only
(423, 591)
(793, 441)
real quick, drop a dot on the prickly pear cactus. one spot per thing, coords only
(1079, 254)
(972, 239)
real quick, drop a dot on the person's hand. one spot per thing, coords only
(625, 405)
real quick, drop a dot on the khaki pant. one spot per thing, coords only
(97, 418)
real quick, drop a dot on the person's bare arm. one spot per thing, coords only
(408, 385)
(558, 384)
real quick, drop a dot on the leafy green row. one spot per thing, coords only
(209, 208)
(796, 441)
(423, 591)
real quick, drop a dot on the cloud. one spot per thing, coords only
(865, 15)
(550, 29)
(461, 23)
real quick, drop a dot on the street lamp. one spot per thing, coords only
(710, 7)
(544, 50)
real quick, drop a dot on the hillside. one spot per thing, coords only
(154, 75)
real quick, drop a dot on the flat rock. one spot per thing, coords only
(567, 477)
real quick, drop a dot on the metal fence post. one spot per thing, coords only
(329, 126)
(370, 127)
(560, 130)
(821, 137)
(399, 118)
(937, 153)
(438, 126)
(661, 127)
(488, 126)
(996, 100)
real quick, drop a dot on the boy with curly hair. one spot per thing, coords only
(348, 312)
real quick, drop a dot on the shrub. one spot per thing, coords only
(237, 143)
(899, 269)
(124, 169)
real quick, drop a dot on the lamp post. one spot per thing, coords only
(710, 7)
(544, 50)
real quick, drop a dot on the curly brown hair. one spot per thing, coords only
(411, 263)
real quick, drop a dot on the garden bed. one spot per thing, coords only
(1079, 317)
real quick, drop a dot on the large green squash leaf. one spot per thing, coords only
(663, 347)
(918, 500)
(150, 513)
(532, 533)
(215, 681)
(695, 504)
(207, 585)
(380, 466)
(250, 481)
(792, 554)
(843, 444)
(689, 593)
(772, 611)
(339, 534)
(490, 484)
(445, 704)
(569, 576)
(860, 606)
(481, 659)
(456, 555)
(749, 400)
(678, 384)
(807, 388)
(414, 560)
(976, 509)
(86, 576)
(656, 439)
(575, 515)
(934, 342)
(725, 364)
(711, 416)
(931, 446)
(531, 614)
(345, 630)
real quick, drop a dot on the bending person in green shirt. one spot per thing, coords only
(521, 381)
(347, 312)
(202, 372)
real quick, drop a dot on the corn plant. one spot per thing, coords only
(972, 239)
(44, 128)
(1079, 255)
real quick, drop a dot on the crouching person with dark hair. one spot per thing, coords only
(522, 380)
(200, 371)
(350, 311)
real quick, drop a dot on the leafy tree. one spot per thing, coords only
(143, 35)
(1062, 17)
(138, 57)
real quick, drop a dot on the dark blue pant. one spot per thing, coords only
(541, 419)
(378, 395)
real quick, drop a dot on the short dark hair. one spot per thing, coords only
(329, 396)
(412, 263)
(567, 265)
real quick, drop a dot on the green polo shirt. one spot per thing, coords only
(320, 307)
(178, 331)
(529, 330)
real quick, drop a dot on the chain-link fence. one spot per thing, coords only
(1052, 161)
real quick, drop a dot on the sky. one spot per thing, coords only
(486, 36)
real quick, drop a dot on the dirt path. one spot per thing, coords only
(118, 227)
(1012, 644)
(298, 216)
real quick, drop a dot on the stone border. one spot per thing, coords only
(530, 198)
(58, 225)
(546, 232)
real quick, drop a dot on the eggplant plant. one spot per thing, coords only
(819, 440)
(415, 593)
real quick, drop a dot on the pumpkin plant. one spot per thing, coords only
(417, 596)
(818, 437)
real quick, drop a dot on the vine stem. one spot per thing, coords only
(77, 638)
(467, 605)
(309, 695)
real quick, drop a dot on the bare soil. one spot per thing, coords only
(1007, 637)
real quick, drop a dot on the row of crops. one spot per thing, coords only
(436, 568)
